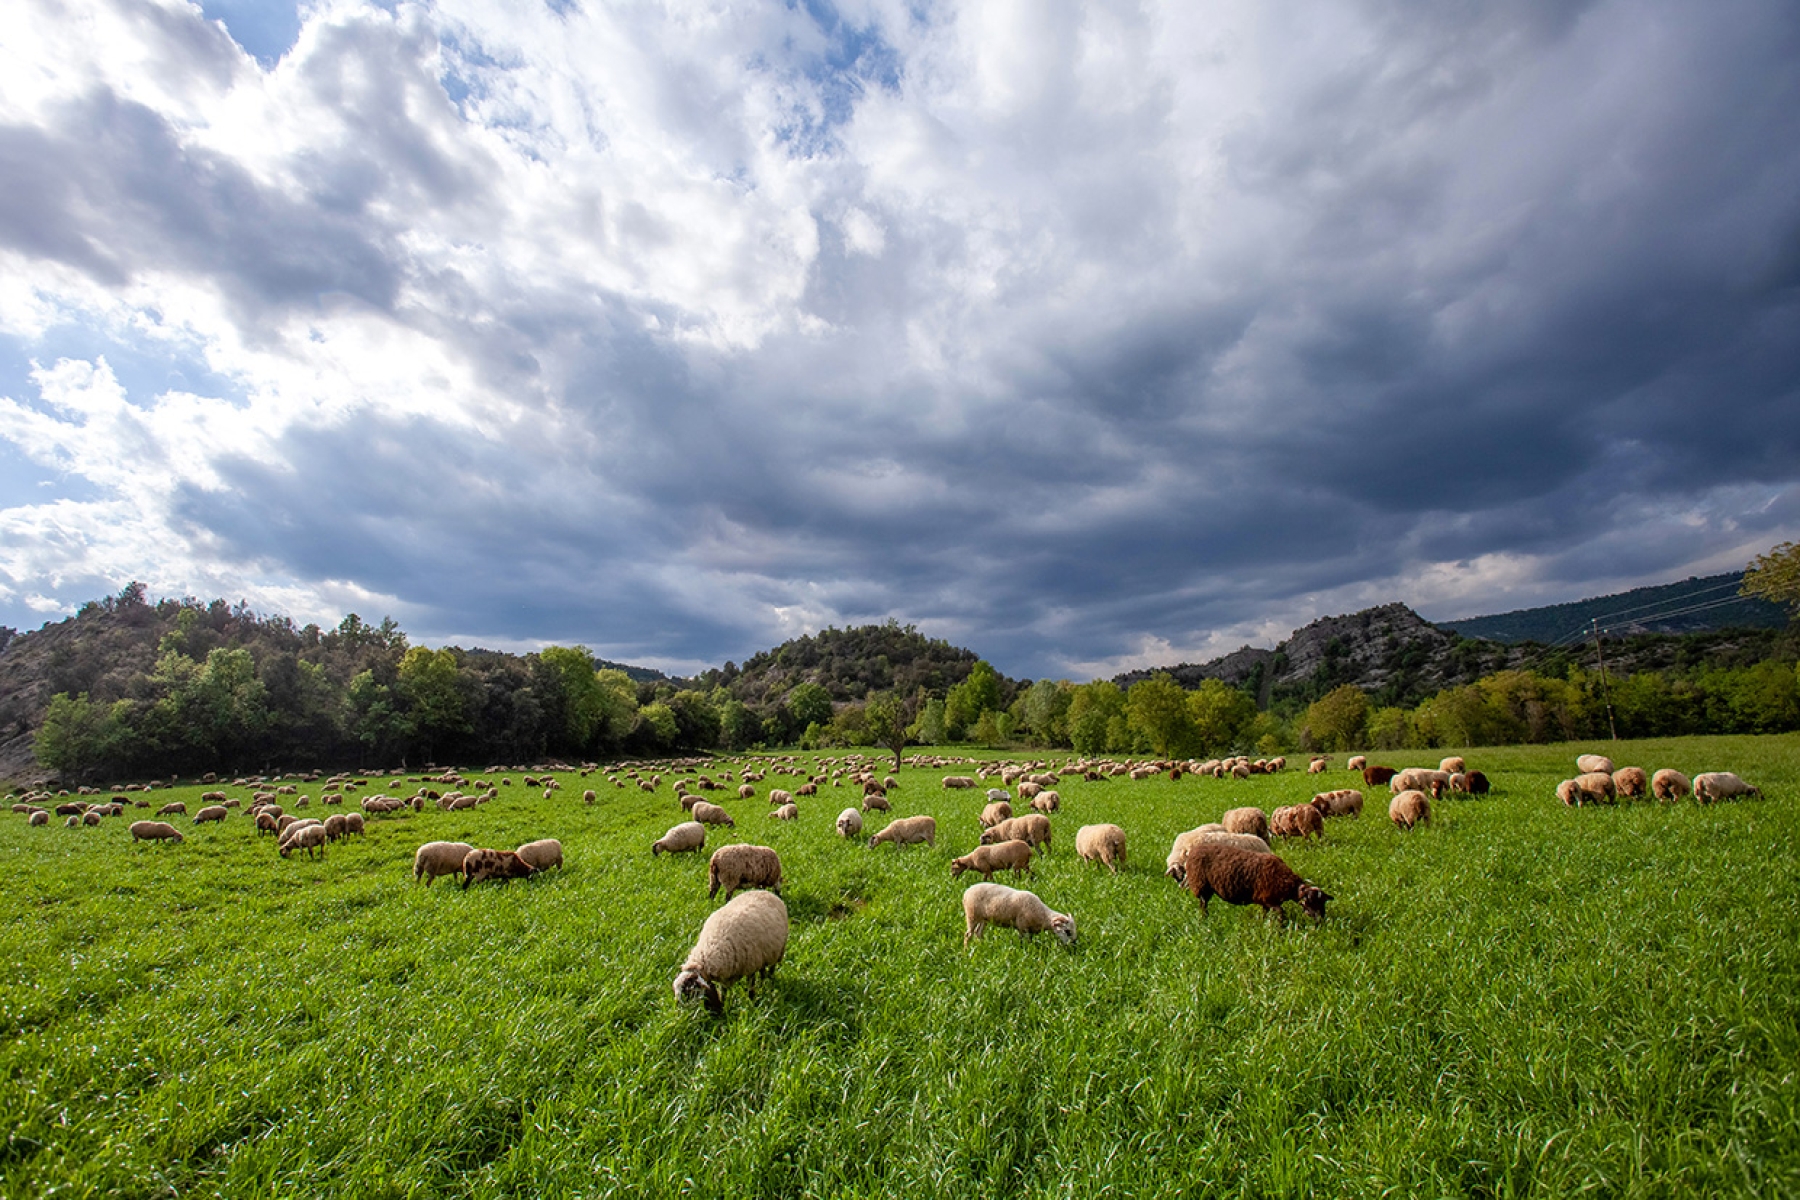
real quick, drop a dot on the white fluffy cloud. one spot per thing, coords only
(1087, 337)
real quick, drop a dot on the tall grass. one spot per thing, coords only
(1519, 999)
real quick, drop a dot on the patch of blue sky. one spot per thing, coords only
(852, 59)
(266, 29)
(145, 369)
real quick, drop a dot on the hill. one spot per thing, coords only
(849, 664)
(1694, 605)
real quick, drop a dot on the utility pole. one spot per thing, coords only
(1605, 690)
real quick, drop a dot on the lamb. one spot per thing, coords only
(1472, 782)
(995, 795)
(1410, 808)
(1631, 783)
(484, 864)
(1670, 784)
(995, 813)
(712, 814)
(1244, 877)
(1345, 802)
(689, 835)
(1589, 764)
(1721, 785)
(1297, 820)
(1101, 844)
(439, 858)
(1014, 856)
(987, 904)
(213, 812)
(155, 831)
(1246, 820)
(1032, 827)
(309, 838)
(735, 868)
(745, 939)
(849, 823)
(542, 854)
(1046, 802)
(910, 829)
(786, 812)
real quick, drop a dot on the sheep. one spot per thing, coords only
(173, 808)
(1631, 783)
(786, 812)
(1244, 877)
(958, 781)
(987, 904)
(1721, 785)
(1453, 765)
(1670, 784)
(876, 802)
(779, 797)
(909, 829)
(542, 854)
(689, 835)
(735, 868)
(1588, 764)
(712, 814)
(744, 939)
(213, 812)
(1014, 856)
(1597, 787)
(1177, 863)
(1317, 766)
(1101, 844)
(1409, 809)
(1297, 820)
(41, 817)
(155, 831)
(1032, 827)
(995, 813)
(746, 791)
(353, 823)
(1375, 776)
(1473, 783)
(265, 824)
(336, 828)
(439, 858)
(504, 865)
(995, 795)
(1357, 762)
(310, 838)
(1246, 820)
(1046, 802)
(1345, 802)
(1413, 779)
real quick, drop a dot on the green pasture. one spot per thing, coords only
(1520, 999)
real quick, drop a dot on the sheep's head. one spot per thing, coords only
(1063, 926)
(958, 866)
(1177, 871)
(989, 836)
(690, 985)
(1313, 899)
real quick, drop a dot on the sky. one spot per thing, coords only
(1086, 336)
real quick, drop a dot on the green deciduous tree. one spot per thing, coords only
(808, 704)
(976, 694)
(1157, 709)
(885, 719)
(1097, 717)
(78, 736)
(1221, 715)
(1775, 576)
(1339, 719)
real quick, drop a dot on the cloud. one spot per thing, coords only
(1079, 338)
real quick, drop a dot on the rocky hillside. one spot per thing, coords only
(1696, 605)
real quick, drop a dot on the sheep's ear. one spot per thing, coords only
(715, 1004)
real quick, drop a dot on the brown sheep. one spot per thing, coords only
(995, 813)
(1101, 844)
(1297, 820)
(1032, 827)
(1246, 820)
(1245, 877)
(1409, 809)
(1670, 784)
(1014, 856)
(1375, 776)
(1631, 783)
(504, 865)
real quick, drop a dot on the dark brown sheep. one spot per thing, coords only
(1244, 877)
(1376, 776)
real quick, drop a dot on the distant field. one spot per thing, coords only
(1521, 999)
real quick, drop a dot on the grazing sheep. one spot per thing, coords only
(1345, 802)
(995, 795)
(1453, 765)
(41, 817)
(439, 858)
(1589, 764)
(744, 939)
(987, 904)
(310, 838)
(1014, 856)
(542, 854)
(746, 791)
(155, 831)
(1631, 783)
(711, 814)
(1721, 785)
(1375, 776)
(353, 823)
(1597, 786)
(735, 868)
(786, 812)
(1670, 784)
(849, 823)
(876, 802)
(1032, 827)
(1472, 782)
(995, 813)
(1245, 877)
(779, 797)
(1409, 809)
(1029, 789)
(1297, 821)
(266, 824)
(1246, 820)
(213, 812)
(483, 864)
(958, 781)
(689, 835)
(1046, 802)
(336, 828)
(1317, 766)
(1101, 844)
(904, 830)
(1357, 762)
(173, 808)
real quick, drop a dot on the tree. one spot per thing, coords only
(78, 735)
(1339, 719)
(931, 729)
(1096, 717)
(976, 694)
(987, 729)
(885, 718)
(808, 704)
(1775, 576)
(430, 683)
(1158, 712)
(1221, 715)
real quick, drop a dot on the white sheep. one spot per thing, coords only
(987, 904)
(1588, 764)
(849, 823)
(1101, 844)
(905, 830)
(542, 854)
(689, 835)
(742, 866)
(310, 838)
(786, 812)
(745, 939)
(1721, 785)
(1046, 802)
(711, 814)
(439, 858)
(1410, 808)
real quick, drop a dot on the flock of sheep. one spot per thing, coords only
(747, 937)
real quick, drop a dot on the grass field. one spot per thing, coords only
(1520, 999)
